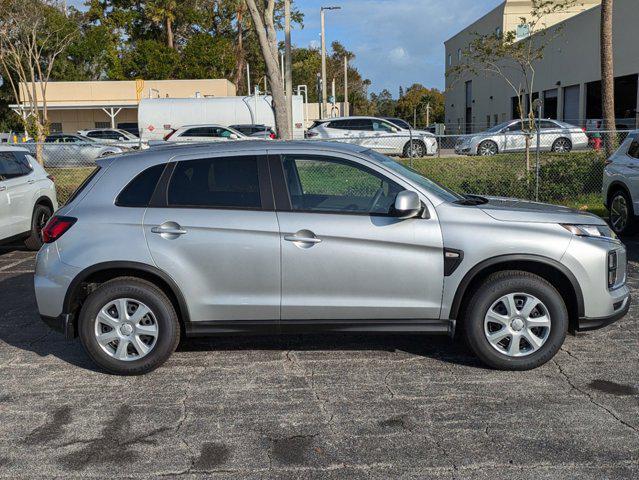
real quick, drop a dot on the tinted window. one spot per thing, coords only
(231, 182)
(547, 124)
(385, 127)
(23, 162)
(360, 124)
(515, 127)
(339, 124)
(139, 191)
(207, 132)
(326, 184)
(11, 166)
(633, 151)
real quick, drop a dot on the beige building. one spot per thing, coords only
(74, 106)
(567, 79)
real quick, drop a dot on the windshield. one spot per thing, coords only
(400, 123)
(416, 177)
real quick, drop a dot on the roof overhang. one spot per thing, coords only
(77, 105)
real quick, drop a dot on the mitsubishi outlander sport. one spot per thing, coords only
(262, 237)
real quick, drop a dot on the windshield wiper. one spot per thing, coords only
(472, 200)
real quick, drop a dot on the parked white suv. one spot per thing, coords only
(27, 197)
(621, 186)
(375, 133)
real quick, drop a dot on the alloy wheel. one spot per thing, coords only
(562, 146)
(126, 329)
(517, 324)
(619, 213)
(487, 149)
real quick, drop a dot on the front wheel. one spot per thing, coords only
(487, 148)
(515, 321)
(622, 216)
(415, 148)
(128, 326)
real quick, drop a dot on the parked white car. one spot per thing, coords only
(621, 186)
(509, 137)
(205, 133)
(113, 136)
(27, 197)
(375, 133)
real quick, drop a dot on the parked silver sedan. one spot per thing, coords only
(509, 136)
(70, 150)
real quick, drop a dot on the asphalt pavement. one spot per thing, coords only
(321, 406)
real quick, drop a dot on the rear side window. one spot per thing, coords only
(224, 182)
(139, 191)
(11, 166)
(633, 151)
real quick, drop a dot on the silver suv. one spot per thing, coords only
(263, 236)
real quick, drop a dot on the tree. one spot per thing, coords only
(608, 77)
(163, 12)
(33, 34)
(413, 105)
(264, 24)
(513, 59)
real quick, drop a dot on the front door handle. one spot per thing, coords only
(293, 238)
(2, 188)
(169, 230)
(303, 239)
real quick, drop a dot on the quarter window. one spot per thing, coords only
(633, 151)
(139, 191)
(224, 182)
(11, 166)
(331, 185)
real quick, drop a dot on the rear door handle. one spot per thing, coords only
(2, 188)
(293, 238)
(169, 230)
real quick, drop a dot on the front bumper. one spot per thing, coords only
(586, 324)
(62, 324)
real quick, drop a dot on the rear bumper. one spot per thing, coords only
(62, 324)
(586, 324)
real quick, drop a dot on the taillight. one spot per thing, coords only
(56, 227)
(51, 177)
(310, 134)
(272, 136)
(168, 135)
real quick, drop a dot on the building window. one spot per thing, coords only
(102, 124)
(498, 31)
(523, 31)
(459, 54)
(450, 59)
(55, 127)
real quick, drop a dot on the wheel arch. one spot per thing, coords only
(44, 200)
(416, 140)
(568, 139)
(551, 270)
(97, 274)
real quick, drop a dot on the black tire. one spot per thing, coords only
(617, 201)
(491, 290)
(163, 311)
(40, 217)
(565, 142)
(487, 148)
(418, 148)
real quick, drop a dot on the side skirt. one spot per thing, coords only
(273, 327)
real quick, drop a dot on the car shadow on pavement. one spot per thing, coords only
(22, 328)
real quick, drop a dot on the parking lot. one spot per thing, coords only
(313, 407)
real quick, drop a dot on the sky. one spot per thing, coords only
(396, 42)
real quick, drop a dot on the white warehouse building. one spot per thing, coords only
(567, 79)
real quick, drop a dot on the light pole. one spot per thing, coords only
(324, 94)
(288, 77)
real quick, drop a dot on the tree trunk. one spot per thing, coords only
(265, 29)
(169, 33)
(608, 77)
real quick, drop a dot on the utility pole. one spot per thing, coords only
(324, 93)
(346, 105)
(288, 81)
(428, 114)
(248, 79)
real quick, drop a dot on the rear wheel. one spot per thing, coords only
(487, 148)
(40, 217)
(128, 326)
(622, 215)
(515, 321)
(562, 145)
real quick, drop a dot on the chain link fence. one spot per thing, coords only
(562, 173)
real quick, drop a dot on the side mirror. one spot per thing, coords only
(407, 204)
(122, 139)
(394, 129)
(233, 136)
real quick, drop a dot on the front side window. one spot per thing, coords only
(332, 185)
(224, 182)
(360, 124)
(379, 126)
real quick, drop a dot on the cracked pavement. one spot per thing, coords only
(320, 406)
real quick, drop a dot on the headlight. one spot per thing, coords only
(602, 231)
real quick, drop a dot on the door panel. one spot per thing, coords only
(214, 236)
(343, 255)
(365, 267)
(16, 193)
